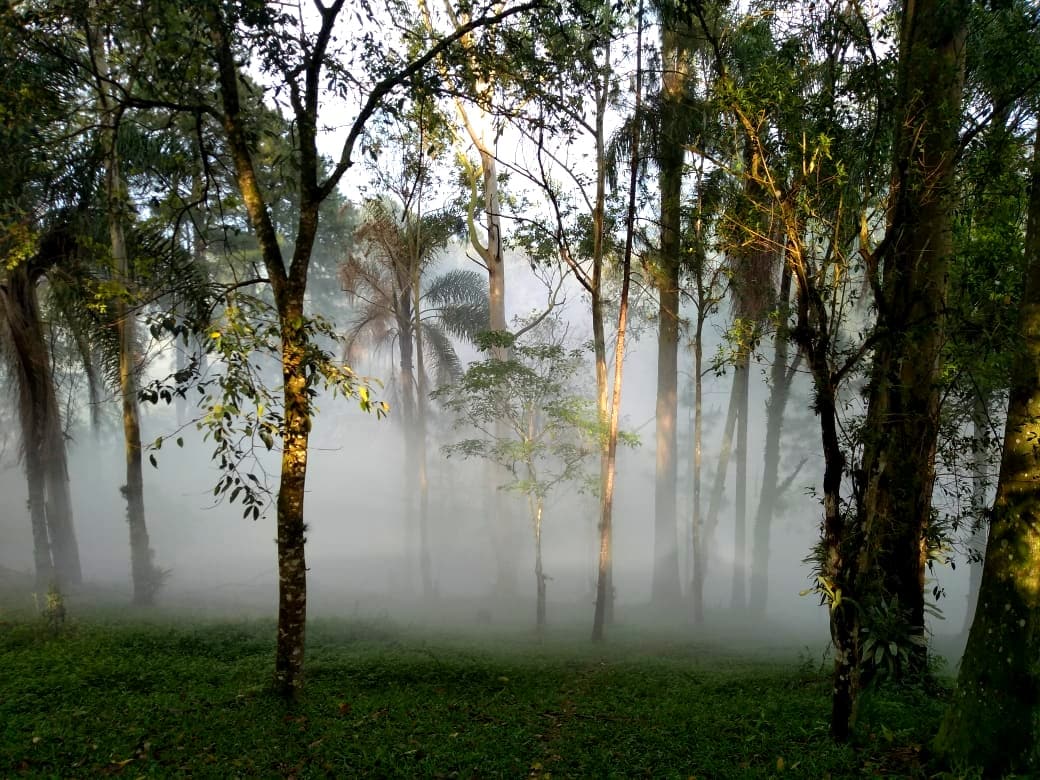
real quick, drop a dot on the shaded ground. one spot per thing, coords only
(137, 694)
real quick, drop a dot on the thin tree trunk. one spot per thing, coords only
(979, 483)
(539, 571)
(141, 567)
(425, 567)
(718, 490)
(409, 496)
(604, 585)
(780, 387)
(696, 537)
(993, 721)
(741, 385)
(604, 561)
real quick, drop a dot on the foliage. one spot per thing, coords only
(240, 412)
(551, 431)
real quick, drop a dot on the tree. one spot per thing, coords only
(47, 180)
(299, 59)
(992, 719)
(552, 432)
(670, 157)
(117, 205)
(908, 273)
(604, 580)
(388, 277)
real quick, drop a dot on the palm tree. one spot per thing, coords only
(385, 279)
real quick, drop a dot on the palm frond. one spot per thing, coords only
(440, 354)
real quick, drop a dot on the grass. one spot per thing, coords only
(132, 696)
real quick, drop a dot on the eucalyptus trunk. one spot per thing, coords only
(537, 507)
(604, 584)
(670, 159)
(993, 721)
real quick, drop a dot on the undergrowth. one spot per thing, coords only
(107, 696)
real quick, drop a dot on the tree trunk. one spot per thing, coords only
(604, 583)
(142, 570)
(904, 393)
(410, 495)
(21, 312)
(718, 490)
(422, 481)
(979, 522)
(539, 572)
(55, 550)
(780, 387)
(741, 384)
(696, 539)
(666, 589)
(994, 718)
(289, 289)
(292, 563)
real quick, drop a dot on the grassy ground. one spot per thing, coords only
(136, 696)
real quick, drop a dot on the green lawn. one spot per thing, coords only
(133, 696)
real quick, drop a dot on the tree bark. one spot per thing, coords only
(903, 394)
(993, 721)
(539, 571)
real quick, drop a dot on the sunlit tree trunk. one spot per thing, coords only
(904, 390)
(604, 584)
(994, 717)
(604, 561)
(289, 289)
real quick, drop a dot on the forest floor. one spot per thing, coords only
(132, 693)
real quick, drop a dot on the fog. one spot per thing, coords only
(359, 554)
